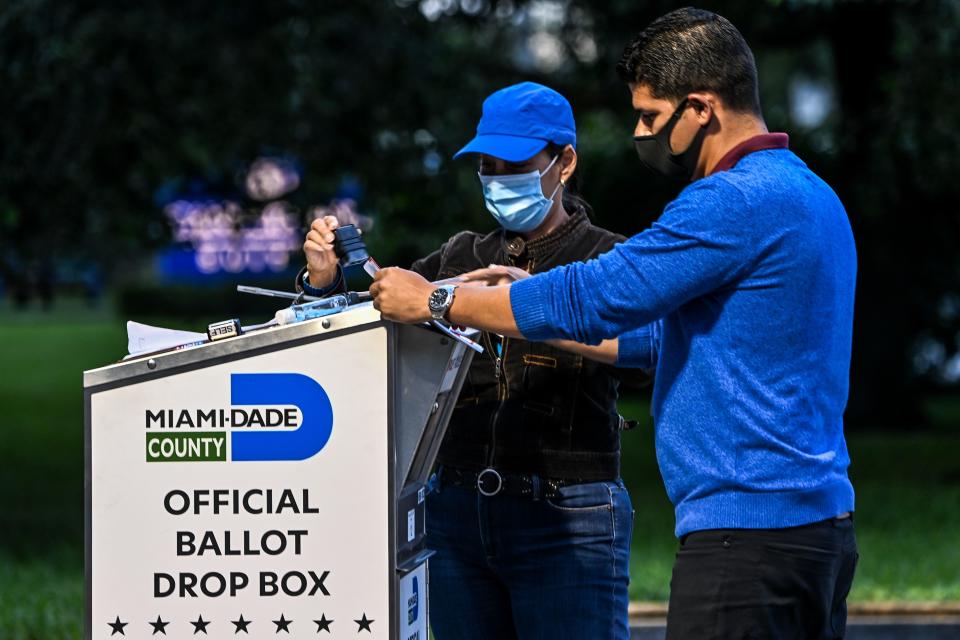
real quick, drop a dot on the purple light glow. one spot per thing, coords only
(345, 211)
(222, 242)
(271, 178)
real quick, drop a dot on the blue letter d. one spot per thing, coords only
(289, 389)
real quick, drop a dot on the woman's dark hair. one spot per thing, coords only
(691, 50)
(572, 202)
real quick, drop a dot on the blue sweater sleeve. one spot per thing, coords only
(640, 348)
(699, 244)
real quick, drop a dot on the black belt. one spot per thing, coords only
(491, 482)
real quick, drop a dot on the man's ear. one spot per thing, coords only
(567, 162)
(704, 106)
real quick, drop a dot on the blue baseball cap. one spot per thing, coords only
(518, 121)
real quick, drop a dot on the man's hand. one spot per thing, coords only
(401, 295)
(495, 275)
(318, 248)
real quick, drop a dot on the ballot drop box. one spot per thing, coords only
(267, 485)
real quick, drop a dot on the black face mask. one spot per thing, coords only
(655, 153)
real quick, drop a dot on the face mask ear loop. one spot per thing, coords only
(677, 114)
(559, 184)
(552, 162)
(668, 126)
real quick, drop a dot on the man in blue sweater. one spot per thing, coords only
(741, 296)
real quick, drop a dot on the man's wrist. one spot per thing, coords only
(440, 300)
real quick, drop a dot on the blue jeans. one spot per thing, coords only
(513, 567)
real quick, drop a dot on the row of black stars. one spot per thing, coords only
(363, 624)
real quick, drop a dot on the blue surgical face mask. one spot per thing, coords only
(516, 201)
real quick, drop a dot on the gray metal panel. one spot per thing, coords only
(148, 364)
(393, 580)
(422, 360)
(432, 437)
(422, 409)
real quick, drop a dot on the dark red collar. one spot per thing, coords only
(756, 143)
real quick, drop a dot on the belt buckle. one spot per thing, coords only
(493, 476)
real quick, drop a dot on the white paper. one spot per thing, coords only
(144, 338)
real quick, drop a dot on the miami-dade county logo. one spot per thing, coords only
(262, 423)
(413, 604)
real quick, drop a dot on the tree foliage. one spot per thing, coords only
(106, 104)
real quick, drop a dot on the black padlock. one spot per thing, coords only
(349, 246)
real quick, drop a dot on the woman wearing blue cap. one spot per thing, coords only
(530, 520)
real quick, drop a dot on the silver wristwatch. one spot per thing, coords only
(440, 300)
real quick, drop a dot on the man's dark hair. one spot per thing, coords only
(690, 50)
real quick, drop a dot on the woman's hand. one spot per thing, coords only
(318, 248)
(495, 275)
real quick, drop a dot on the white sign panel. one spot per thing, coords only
(247, 498)
(413, 604)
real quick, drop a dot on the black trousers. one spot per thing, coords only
(763, 583)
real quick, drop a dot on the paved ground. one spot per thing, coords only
(855, 631)
(935, 621)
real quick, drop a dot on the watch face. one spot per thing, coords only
(438, 298)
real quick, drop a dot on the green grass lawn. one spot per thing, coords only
(908, 486)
